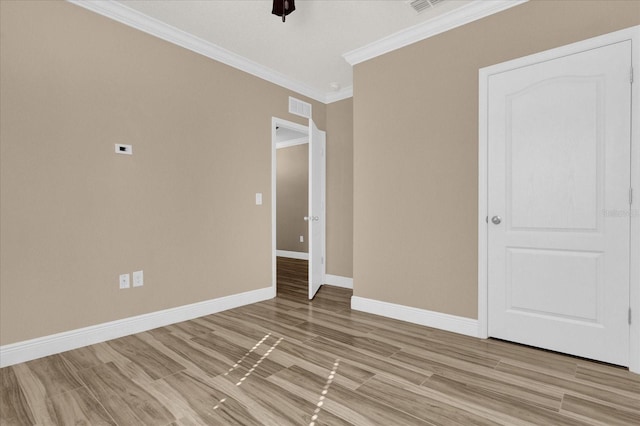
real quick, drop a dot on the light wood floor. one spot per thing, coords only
(290, 362)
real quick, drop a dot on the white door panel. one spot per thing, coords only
(559, 161)
(554, 192)
(541, 281)
(316, 218)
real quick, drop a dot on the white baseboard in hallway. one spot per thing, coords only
(293, 254)
(338, 281)
(48, 345)
(455, 324)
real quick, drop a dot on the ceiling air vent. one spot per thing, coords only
(422, 5)
(298, 107)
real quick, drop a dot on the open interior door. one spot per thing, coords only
(316, 219)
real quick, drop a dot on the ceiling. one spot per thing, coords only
(285, 134)
(307, 52)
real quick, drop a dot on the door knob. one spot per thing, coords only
(306, 218)
(496, 220)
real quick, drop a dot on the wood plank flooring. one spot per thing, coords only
(288, 361)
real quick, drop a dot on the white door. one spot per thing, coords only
(316, 218)
(558, 184)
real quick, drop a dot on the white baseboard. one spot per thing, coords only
(293, 254)
(48, 345)
(433, 319)
(338, 281)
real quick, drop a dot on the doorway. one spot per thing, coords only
(305, 224)
(556, 219)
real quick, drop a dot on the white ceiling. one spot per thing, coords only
(286, 134)
(306, 53)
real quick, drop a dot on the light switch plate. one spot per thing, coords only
(258, 198)
(124, 281)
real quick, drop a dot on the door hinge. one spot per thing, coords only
(630, 196)
(322, 260)
(631, 75)
(629, 316)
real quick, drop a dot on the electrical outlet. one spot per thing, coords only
(302, 238)
(124, 281)
(138, 279)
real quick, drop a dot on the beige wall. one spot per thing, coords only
(292, 197)
(416, 149)
(340, 188)
(74, 215)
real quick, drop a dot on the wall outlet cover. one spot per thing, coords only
(138, 279)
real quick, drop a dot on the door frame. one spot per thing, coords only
(278, 122)
(633, 34)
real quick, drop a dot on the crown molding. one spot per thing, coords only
(132, 18)
(344, 93)
(473, 11)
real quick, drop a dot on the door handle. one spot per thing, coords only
(496, 220)
(312, 218)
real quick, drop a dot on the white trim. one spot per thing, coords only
(293, 254)
(633, 34)
(277, 122)
(138, 20)
(463, 15)
(274, 210)
(483, 194)
(48, 345)
(455, 324)
(292, 142)
(634, 272)
(338, 281)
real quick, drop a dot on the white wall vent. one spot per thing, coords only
(298, 107)
(422, 5)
